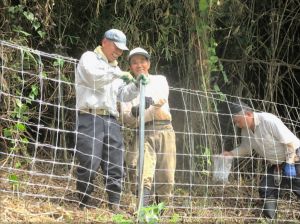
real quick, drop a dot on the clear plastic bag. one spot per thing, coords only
(221, 168)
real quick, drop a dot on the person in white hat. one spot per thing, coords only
(100, 84)
(160, 145)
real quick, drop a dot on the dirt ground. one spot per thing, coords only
(45, 199)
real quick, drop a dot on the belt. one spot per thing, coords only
(158, 122)
(95, 111)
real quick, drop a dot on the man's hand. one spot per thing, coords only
(148, 102)
(127, 77)
(226, 153)
(143, 78)
(290, 170)
(135, 111)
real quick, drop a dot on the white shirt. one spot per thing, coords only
(99, 85)
(269, 139)
(158, 89)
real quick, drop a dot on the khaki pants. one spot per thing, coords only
(159, 158)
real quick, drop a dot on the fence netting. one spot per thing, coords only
(38, 141)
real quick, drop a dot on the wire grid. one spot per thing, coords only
(202, 124)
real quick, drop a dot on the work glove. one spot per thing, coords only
(290, 170)
(143, 78)
(127, 77)
(148, 102)
(136, 109)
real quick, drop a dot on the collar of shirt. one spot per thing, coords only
(98, 50)
(149, 77)
(256, 120)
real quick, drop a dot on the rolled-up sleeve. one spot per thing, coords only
(126, 114)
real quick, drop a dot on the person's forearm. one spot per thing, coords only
(240, 152)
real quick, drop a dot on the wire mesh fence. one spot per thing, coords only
(39, 142)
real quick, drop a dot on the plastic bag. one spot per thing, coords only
(221, 168)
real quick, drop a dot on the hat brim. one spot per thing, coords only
(139, 53)
(121, 46)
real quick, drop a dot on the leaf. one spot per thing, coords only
(29, 15)
(225, 77)
(207, 153)
(222, 97)
(217, 89)
(25, 140)
(36, 25)
(13, 177)
(18, 28)
(203, 5)
(18, 164)
(11, 9)
(32, 96)
(19, 126)
(7, 133)
(36, 92)
(33, 87)
(41, 33)
(214, 59)
(18, 92)
(28, 101)
(19, 103)
(62, 62)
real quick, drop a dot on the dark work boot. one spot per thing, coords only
(114, 204)
(84, 200)
(146, 198)
(159, 200)
(132, 174)
(132, 179)
(270, 208)
(117, 210)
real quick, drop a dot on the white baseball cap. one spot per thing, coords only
(118, 37)
(139, 51)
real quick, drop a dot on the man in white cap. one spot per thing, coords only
(160, 146)
(272, 140)
(99, 86)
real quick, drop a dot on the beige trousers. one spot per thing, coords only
(159, 158)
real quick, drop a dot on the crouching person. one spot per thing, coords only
(272, 140)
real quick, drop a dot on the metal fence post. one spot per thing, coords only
(141, 145)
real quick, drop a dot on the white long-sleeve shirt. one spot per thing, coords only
(269, 139)
(99, 85)
(158, 90)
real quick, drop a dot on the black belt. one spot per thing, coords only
(95, 111)
(158, 122)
